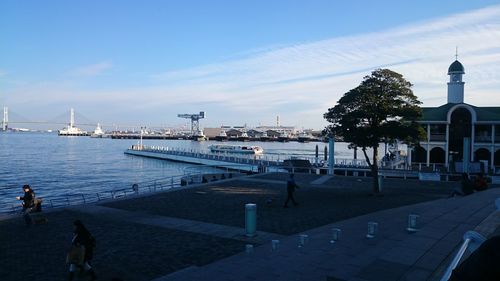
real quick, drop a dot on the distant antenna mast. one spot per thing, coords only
(5, 121)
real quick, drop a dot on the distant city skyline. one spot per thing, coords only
(142, 63)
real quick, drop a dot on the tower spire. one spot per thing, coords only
(5, 121)
(456, 52)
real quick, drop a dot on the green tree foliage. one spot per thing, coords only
(381, 109)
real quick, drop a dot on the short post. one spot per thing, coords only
(336, 232)
(412, 223)
(250, 219)
(372, 230)
(331, 156)
(303, 240)
(248, 248)
(275, 244)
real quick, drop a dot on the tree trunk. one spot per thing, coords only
(373, 167)
(376, 187)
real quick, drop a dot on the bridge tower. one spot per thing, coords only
(5, 121)
(72, 118)
(195, 121)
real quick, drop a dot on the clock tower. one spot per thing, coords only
(456, 85)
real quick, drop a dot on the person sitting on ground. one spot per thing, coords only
(466, 187)
(480, 183)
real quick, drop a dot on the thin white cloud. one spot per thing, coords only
(3, 73)
(93, 69)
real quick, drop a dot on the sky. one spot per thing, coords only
(140, 63)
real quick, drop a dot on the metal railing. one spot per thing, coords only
(472, 240)
(84, 198)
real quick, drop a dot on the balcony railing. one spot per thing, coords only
(438, 137)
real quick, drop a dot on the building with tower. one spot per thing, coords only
(460, 137)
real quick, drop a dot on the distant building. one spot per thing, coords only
(288, 130)
(211, 133)
(457, 125)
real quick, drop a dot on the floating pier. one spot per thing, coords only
(249, 163)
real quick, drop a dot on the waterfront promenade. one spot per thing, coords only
(198, 232)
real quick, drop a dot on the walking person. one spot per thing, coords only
(28, 198)
(82, 238)
(28, 203)
(290, 189)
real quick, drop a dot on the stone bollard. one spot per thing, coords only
(303, 238)
(412, 223)
(372, 230)
(275, 244)
(251, 219)
(336, 232)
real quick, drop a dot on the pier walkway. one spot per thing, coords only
(197, 233)
(249, 163)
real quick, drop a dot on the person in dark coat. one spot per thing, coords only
(482, 264)
(480, 183)
(28, 198)
(290, 189)
(466, 186)
(82, 237)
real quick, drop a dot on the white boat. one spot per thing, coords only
(199, 136)
(71, 130)
(244, 149)
(98, 132)
(222, 136)
(304, 137)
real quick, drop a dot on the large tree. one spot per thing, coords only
(381, 109)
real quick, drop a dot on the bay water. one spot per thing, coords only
(59, 166)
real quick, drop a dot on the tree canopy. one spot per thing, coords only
(381, 109)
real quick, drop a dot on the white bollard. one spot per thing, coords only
(336, 232)
(251, 219)
(248, 248)
(275, 244)
(303, 240)
(372, 230)
(412, 223)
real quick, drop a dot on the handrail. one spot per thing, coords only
(84, 198)
(471, 239)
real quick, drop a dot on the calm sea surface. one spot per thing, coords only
(58, 166)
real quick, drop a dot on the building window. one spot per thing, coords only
(438, 132)
(482, 133)
(497, 133)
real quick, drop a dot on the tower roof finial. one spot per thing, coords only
(456, 52)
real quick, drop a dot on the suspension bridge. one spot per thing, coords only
(14, 121)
